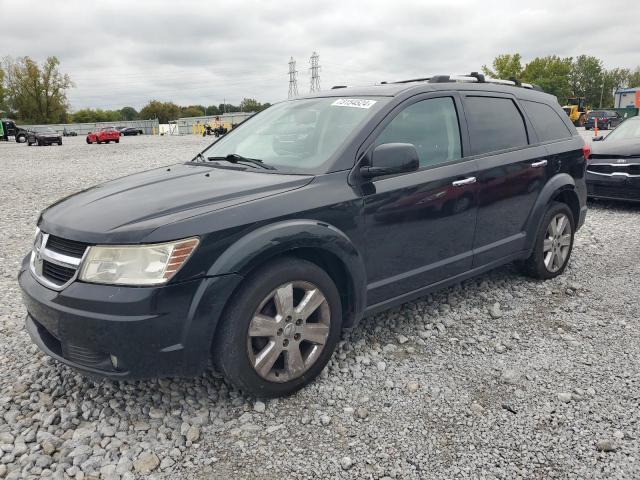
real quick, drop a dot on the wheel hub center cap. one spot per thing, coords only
(289, 330)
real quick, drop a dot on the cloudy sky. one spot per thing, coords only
(122, 53)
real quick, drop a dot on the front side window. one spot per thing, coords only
(431, 126)
(546, 122)
(494, 124)
(297, 136)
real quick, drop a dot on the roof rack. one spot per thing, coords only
(473, 77)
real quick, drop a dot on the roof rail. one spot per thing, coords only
(473, 77)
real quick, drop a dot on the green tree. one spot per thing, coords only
(227, 108)
(163, 111)
(505, 66)
(3, 106)
(634, 78)
(128, 113)
(37, 92)
(192, 111)
(250, 105)
(212, 110)
(587, 79)
(88, 115)
(550, 73)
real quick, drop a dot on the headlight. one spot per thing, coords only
(136, 264)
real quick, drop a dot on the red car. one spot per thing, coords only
(104, 135)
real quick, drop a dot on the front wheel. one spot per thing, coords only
(280, 329)
(553, 244)
(21, 138)
(117, 141)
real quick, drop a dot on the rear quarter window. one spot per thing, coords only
(546, 122)
(494, 124)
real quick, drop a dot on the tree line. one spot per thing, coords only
(37, 93)
(565, 77)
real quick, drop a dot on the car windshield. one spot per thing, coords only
(626, 130)
(297, 135)
(45, 130)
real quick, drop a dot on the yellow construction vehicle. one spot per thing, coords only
(576, 110)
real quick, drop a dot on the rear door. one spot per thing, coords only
(511, 173)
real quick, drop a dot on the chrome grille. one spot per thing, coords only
(55, 261)
(611, 169)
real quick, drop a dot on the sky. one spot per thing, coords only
(125, 53)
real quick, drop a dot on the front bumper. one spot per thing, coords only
(152, 332)
(613, 187)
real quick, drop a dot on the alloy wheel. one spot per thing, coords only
(557, 242)
(288, 331)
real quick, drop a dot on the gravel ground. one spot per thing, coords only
(499, 377)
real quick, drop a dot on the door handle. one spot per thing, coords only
(539, 164)
(464, 181)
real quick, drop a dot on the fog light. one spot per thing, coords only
(114, 361)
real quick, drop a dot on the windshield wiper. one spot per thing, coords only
(235, 158)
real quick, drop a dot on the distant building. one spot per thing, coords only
(627, 98)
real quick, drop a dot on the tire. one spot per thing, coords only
(21, 138)
(539, 264)
(117, 141)
(235, 352)
(60, 143)
(39, 143)
(89, 141)
(98, 141)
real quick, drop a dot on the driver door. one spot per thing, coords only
(420, 225)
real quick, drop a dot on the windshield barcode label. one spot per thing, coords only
(353, 102)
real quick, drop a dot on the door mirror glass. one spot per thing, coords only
(391, 159)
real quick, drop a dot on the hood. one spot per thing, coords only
(608, 149)
(128, 209)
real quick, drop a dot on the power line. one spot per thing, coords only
(315, 73)
(293, 79)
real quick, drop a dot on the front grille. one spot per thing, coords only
(66, 247)
(83, 355)
(631, 169)
(622, 192)
(57, 273)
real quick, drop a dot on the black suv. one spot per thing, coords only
(308, 216)
(607, 119)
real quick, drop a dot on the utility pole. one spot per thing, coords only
(315, 73)
(293, 79)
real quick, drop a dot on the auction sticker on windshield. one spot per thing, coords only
(353, 102)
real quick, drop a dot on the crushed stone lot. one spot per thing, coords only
(500, 377)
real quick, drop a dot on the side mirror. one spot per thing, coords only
(391, 159)
(599, 138)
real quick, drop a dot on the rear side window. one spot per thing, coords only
(429, 125)
(494, 124)
(546, 122)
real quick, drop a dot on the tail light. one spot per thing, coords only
(586, 151)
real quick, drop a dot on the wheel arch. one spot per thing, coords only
(560, 188)
(311, 240)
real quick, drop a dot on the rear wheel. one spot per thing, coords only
(280, 329)
(553, 244)
(117, 141)
(21, 138)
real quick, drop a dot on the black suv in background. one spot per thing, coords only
(607, 119)
(308, 216)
